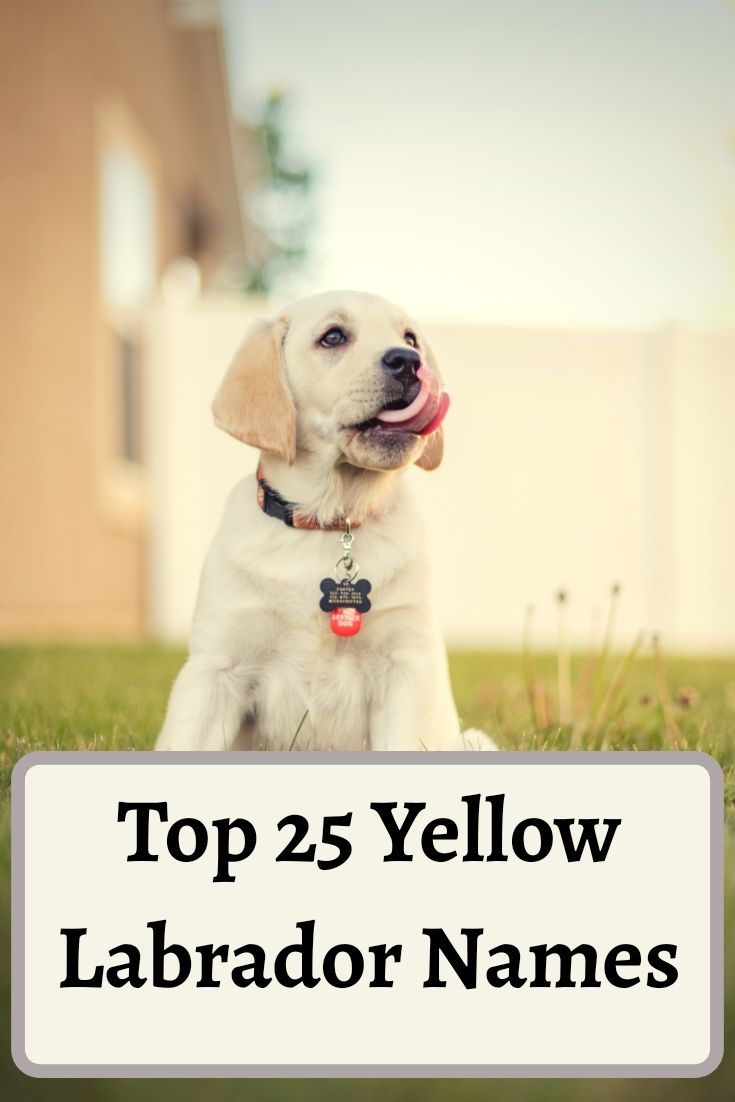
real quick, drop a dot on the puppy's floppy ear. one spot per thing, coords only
(253, 402)
(431, 456)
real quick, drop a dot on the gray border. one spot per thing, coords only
(370, 1071)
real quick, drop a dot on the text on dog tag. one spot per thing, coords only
(345, 594)
(345, 621)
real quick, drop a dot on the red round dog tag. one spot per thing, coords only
(345, 621)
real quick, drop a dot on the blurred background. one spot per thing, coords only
(549, 188)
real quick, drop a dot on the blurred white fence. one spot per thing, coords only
(574, 460)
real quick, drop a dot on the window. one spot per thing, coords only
(128, 252)
(127, 230)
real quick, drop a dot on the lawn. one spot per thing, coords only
(112, 698)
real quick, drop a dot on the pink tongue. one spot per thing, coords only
(425, 413)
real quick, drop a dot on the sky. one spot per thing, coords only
(564, 163)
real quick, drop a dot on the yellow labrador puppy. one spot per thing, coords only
(341, 394)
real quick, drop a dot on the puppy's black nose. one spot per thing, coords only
(403, 363)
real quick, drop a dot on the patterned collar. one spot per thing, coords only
(271, 502)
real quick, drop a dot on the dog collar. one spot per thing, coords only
(271, 502)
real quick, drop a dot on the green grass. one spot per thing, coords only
(113, 698)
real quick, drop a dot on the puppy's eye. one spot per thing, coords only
(333, 337)
(410, 338)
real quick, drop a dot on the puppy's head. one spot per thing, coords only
(345, 374)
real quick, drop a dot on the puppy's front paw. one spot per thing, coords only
(473, 739)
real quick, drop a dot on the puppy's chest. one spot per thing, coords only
(300, 634)
(304, 668)
(320, 685)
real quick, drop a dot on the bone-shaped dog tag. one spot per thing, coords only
(345, 594)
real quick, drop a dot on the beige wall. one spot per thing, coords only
(586, 459)
(72, 554)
